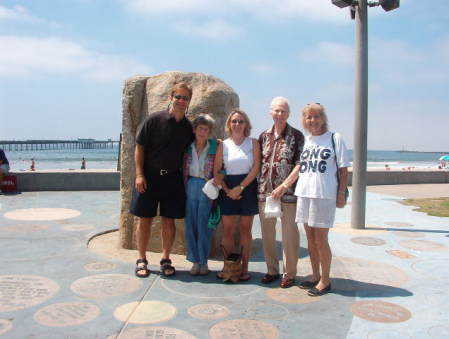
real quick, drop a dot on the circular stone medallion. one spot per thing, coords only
(146, 312)
(409, 234)
(401, 254)
(25, 228)
(66, 314)
(267, 312)
(292, 295)
(99, 266)
(368, 241)
(208, 311)
(75, 228)
(423, 245)
(23, 291)
(243, 328)
(380, 311)
(105, 285)
(5, 325)
(213, 291)
(42, 214)
(153, 332)
(398, 224)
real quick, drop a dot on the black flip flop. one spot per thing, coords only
(140, 267)
(167, 266)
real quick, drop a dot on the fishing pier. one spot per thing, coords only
(31, 145)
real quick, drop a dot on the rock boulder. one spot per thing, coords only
(143, 95)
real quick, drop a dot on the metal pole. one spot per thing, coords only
(361, 117)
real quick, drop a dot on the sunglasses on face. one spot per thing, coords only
(238, 121)
(183, 97)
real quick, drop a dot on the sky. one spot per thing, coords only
(63, 63)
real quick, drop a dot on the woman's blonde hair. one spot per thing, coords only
(248, 126)
(316, 107)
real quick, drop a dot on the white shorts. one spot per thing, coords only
(316, 212)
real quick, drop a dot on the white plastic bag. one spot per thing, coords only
(272, 208)
(211, 190)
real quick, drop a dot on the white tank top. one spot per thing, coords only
(238, 159)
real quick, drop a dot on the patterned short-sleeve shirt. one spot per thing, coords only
(279, 156)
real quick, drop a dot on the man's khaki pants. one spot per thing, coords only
(290, 240)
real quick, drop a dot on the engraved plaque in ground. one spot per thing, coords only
(42, 214)
(215, 290)
(99, 266)
(66, 314)
(105, 285)
(243, 328)
(23, 291)
(208, 311)
(25, 228)
(423, 245)
(368, 241)
(154, 332)
(380, 311)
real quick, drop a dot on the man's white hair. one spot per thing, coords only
(280, 100)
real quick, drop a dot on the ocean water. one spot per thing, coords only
(106, 158)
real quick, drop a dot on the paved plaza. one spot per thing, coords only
(60, 279)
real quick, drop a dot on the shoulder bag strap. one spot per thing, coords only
(336, 161)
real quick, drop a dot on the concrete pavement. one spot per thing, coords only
(389, 280)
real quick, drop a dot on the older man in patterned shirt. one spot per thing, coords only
(281, 147)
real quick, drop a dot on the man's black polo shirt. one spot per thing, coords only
(164, 140)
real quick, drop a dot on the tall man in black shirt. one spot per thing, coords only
(160, 146)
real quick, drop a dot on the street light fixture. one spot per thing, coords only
(359, 12)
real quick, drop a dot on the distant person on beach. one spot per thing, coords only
(239, 154)
(281, 146)
(323, 177)
(387, 167)
(83, 163)
(4, 165)
(198, 169)
(160, 144)
(33, 165)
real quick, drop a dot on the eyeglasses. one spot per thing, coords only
(183, 97)
(238, 121)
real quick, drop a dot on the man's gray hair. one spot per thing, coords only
(280, 100)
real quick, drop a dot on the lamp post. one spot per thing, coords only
(359, 12)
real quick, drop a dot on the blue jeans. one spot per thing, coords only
(198, 235)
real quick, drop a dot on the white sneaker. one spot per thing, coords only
(204, 269)
(195, 270)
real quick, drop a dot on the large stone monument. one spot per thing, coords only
(143, 95)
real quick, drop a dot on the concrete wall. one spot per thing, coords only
(68, 181)
(92, 180)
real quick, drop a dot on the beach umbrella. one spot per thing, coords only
(444, 158)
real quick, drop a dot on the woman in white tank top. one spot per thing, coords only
(239, 156)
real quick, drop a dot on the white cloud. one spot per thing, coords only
(329, 52)
(157, 7)
(28, 55)
(21, 14)
(214, 30)
(262, 68)
(15, 13)
(313, 10)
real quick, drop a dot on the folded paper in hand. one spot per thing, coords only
(272, 208)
